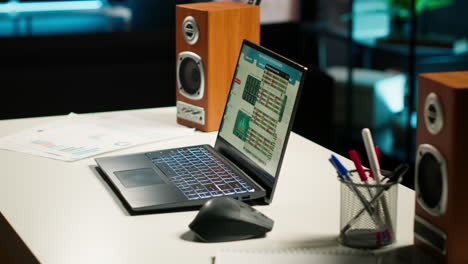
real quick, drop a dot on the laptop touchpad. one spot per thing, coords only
(138, 177)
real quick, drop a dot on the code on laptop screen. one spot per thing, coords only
(260, 106)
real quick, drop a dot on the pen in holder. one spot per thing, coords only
(368, 212)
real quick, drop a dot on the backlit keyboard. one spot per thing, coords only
(198, 174)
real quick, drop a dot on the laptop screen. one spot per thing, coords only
(260, 106)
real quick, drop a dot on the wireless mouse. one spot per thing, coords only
(226, 219)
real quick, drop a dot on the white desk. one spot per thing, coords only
(65, 213)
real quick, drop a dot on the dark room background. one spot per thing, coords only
(56, 62)
(98, 68)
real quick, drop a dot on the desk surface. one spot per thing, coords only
(65, 213)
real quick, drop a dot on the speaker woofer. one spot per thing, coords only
(431, 180)
(190, 75)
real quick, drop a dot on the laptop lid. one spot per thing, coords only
(259, 113)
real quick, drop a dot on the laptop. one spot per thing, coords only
(246, 158)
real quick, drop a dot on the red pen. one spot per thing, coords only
(357, 162)
(362, 174)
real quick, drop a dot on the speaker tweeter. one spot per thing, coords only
(433, 114)
(190, 30)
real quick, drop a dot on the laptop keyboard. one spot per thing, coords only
(198, 174)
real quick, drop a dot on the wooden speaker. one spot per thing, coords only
(208, 40)
(441, 176)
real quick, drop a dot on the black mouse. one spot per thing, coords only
(226, 219)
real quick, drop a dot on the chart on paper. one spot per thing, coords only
(74, 150)
(75, 136)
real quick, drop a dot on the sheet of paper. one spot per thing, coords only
(294, 256)
(75, 137)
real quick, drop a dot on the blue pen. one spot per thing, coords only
(336, 168)
(341, 168)
(344, 174)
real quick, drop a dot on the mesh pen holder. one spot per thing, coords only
(368, 212)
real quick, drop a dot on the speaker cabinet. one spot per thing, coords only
(441, 176)
(208, 40)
